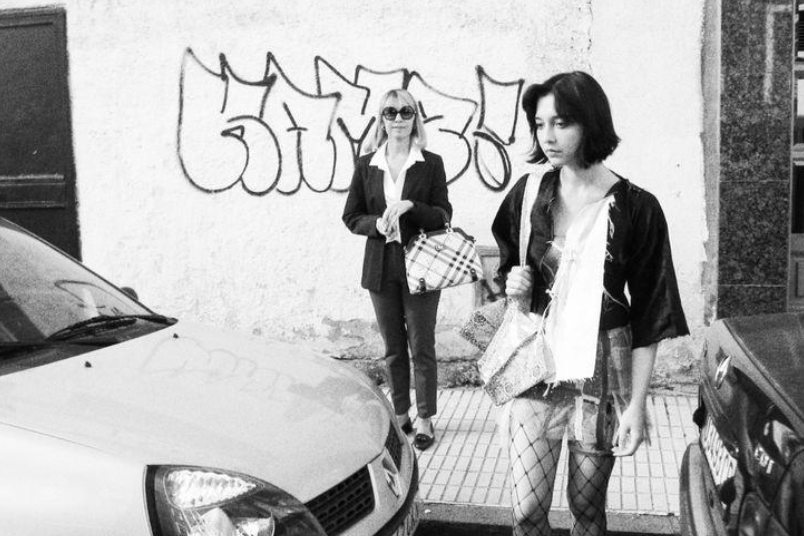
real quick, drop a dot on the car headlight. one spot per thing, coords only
(200, 501)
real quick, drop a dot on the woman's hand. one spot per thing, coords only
(392, 213)
(382, 228)
(519, 282)
(630, 432)
(632, 422)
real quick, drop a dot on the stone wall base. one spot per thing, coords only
(359, 343)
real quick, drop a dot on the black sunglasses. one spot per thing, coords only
(390, 112)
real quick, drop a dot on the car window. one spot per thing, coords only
(43, 291)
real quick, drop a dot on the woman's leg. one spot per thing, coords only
(533, 453)
(391, 322)
(590, 464)
(588, 475)
(420, 318)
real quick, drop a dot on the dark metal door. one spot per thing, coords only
(37, 167)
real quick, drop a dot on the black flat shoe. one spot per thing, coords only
(424, 441)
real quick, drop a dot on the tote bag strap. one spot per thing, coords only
(531, 191)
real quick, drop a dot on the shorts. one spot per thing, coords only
(589, 425)
(588, 413)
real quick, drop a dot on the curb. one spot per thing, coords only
(496, 520)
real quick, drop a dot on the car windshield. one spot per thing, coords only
(45, 293)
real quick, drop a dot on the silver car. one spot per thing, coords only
(117, 421)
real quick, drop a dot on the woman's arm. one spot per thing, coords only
(505, 229)
(656, 311)
(355, 212)
(437, 210)
(632, 422)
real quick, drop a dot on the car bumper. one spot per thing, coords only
(699, 501)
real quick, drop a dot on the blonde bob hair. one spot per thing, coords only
(379, 135)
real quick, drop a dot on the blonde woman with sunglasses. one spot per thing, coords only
(396, 190)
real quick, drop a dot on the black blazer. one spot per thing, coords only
(425, 185)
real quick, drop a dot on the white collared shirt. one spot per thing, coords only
(393, 190)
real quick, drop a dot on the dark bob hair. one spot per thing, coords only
(579, 99)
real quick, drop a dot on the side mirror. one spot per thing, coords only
(131, 292)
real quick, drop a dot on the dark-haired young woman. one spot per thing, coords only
(593, 233)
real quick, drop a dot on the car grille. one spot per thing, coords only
(394, 445)
(345, 504)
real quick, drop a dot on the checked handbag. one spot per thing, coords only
(441, 259)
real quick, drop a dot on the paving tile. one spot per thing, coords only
(456, 478)
(644, 502)
(484, 480)
(450, 493)
(617, 471)
(441, 479)
(464, 495)
(629, 503)
(679, 444)
(669, 455)
(427, 477)
(660, 503)
(498, 479)
(478, 496)
(628, 467)
(471, 478)
(671, 486)
(642, 469)
(477, 464)
(673, 504)
(642, 484)
(462, 464)
(628, 486)
(656, 470)
(489, 464)
(641, 456)
(439, 461)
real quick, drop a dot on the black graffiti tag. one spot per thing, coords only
(269, 135)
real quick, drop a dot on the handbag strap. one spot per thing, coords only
(532, 186)
(444, 216)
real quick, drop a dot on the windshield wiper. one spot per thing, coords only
(104, 322)
(10, 347)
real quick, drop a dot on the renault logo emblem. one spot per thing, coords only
(391, 475)
(722, 371)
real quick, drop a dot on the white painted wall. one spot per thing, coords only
(285, 264)
(647, 55)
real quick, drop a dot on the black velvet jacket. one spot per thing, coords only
(425, 185)
(638, 254)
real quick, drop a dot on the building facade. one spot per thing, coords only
(201, 150)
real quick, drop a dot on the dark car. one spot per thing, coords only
(745, 474)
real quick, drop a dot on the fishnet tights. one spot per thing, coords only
(534, 461)
(586, 492)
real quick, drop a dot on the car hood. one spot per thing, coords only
(190, 395)
(774, 347)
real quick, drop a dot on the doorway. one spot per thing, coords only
(37, 165)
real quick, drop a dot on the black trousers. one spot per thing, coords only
(407, 321)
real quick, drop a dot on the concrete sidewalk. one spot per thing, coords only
(464, 476)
